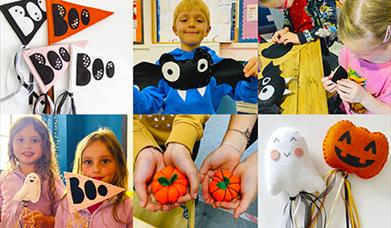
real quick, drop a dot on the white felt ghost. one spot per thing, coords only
(31, 189)
(288, 166)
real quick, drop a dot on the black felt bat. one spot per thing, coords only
(271, 90)
(188, 74)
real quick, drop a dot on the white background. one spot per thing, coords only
(372, 196)
(110, 37)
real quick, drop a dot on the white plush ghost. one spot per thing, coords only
(31, 189)
(288, 166)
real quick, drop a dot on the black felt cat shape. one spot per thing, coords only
(271, 90)
(25, 17)
(188, 74)
(275, 51)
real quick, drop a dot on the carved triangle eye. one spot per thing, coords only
(346, 137)
(371, 146)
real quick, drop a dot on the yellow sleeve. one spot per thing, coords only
(142, 138)
(187, 130)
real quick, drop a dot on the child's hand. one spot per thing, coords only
(251, 68)
(247, 171)
(178, 156)
(278, 35)
(290, 37)
(224, 157)
(329, 85)
(149, 161)
(351, 92)
(37, 219)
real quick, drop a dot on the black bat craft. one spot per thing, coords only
(271, 90)
(188, 74)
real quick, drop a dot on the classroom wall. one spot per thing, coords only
(108, 37)
(151, 52)
(372, 196)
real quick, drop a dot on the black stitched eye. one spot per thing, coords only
(293, 139)
(171, 71)
(346, 137)
(276, 140)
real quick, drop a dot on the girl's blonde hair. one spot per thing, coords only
(107, 137)
(188, 5)
(46, 166)
(365, 18)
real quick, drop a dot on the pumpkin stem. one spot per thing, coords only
(166, 182)
(223, 184)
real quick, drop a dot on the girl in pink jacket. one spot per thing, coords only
(30, 149)
(99, 156)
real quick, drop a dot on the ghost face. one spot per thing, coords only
(32, 179)
(288, 145)
(98, 162)
(288, 167)
(27, 146)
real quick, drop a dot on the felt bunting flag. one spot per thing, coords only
(48, 63)
(83, 191)
(89, 69)
(25, 17)
(66, 19)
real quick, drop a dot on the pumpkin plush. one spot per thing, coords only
(168, 185)
(355, 149)
(224, 186)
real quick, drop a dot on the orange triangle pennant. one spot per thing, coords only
(84, 191)
(65, 18)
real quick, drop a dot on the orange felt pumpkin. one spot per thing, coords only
(168, 185)
(355, 149)
(224, 186)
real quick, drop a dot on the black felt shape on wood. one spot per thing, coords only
(188, 74)
(271, 89)
(276, 50)
(45, 72)
(339, 74)
(25, 17)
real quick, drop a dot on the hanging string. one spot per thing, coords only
(351, 210)
(46, 100)
(61, 100)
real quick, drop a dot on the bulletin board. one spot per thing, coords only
(221, 21)
(248, 21)
(138, 22)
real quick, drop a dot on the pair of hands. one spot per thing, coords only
(283, 36)
(150, 160)
(227, 158)
(348, 90)
(36, 219)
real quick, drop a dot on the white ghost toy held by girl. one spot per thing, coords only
(31, 189)
(288, 166)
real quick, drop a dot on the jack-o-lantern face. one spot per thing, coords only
(355, 149)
